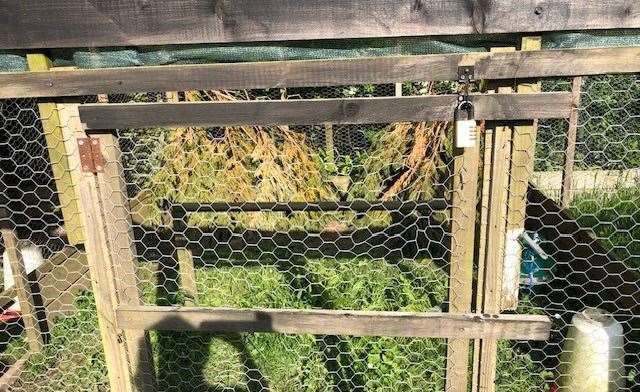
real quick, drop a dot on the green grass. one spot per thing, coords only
(246, 362)
(614, 217)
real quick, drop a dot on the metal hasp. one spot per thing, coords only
(91, 157)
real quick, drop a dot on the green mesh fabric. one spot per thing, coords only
(594, 39)
(12, 62)
(304, 50)
(330, 49)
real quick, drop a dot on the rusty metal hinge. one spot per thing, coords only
(91, 158)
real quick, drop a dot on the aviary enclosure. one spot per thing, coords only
(320, 196)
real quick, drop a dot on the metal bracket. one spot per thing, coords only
(466, 74)
(91, 158)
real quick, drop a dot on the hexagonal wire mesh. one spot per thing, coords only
(366, 260)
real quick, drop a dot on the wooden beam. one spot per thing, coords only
(333, 322)
(76, 23)
(111, 261)
(317, 73)
(463, 225)
(319, 111)
(494, 235)
(523, 145)
(22, 287)
(494, 255)
(570, 147)
(52, 127)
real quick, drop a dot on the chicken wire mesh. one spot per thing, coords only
(356, 260)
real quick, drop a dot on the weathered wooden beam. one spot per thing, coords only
(54, 134)
(570, 146)
(495, 240)
(315, 73)
(319, 111)
(523, 146)
(75, 23)
(333, 322)
(463, 225)
(112, 262)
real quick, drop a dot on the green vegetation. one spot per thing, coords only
(607, 136)
(245, 362)
(615, 219)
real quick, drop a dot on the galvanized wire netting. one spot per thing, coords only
(394, 260)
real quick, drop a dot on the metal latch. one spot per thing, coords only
(465, 124)
(91, 158)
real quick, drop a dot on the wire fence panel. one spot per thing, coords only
(333, 217)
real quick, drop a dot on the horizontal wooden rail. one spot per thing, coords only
(319, 111)
(81, 23)
(320, 206)
(334, 322)
(314, 73)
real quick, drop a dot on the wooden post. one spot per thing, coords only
(522, 160)
(570, 148)
(58, 156)
(463, 225)
(491, 261)
(184, 257)
(182, 253)
(482, 244)
(22, 287)
(111, 258)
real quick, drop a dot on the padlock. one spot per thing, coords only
(466, 127)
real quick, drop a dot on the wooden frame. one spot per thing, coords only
(319, 111)
(315, 73)
(333, 322)
(111, 259)
(55, 128)
(76, 23)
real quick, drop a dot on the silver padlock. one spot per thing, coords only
(466, 127)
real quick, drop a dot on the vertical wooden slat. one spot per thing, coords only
(492, 261)
(481, 241)
(463, 223)
(522, 160)
(570, 148)
(22, 287)
(494, 249)
(58, 156)
(115, 207)
(111, 258)
(182, 253)
(103, 284)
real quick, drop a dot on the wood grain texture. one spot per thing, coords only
(315, 73)
(522, 161)
(333, 322)
(54, 134)
(494, 248)
(103, 284)
(320, 111)
(114, 205)
(570, 145)
(76, 23)
(463, 225)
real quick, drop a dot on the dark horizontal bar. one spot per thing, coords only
(322, 206)
(320, 111)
